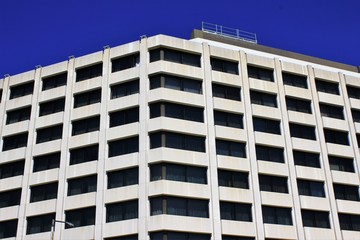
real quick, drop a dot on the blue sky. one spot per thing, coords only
(43, 32)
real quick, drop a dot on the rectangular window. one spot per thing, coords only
(226, 237)
(346, 192)
(46, 162)
(327, 87)
(84, 154)
(170, 235)
(235, 211)
(125, 89)
(49, 134)
(317, 219)
(306, 159)
(89, 72)
(43, 192)
(228, 119)
(311, 188)
(271, 154)
(51, 107)
(10, 198)
(127, 237)
(123, 177)
(40, 223)
(233, 179)
(178, 111)
(80, 217)
(179, 206)
(337, 137)
(18, 115)
(9, 228)
(176, 83)
(87, 98)
(224, 66)
(353, 92)
(228, 148)
(176, 172)
(54, 81)
(294, 80)
(302, 131)
(21, 90)
(341, 164)
(349, 222)
(266, 125)
(331, 111)
(298, 105)
(82, 185)
(175, 56)
(86, 125)
(15, 141)
(125, 62)
(227, 92)
(261, 73)
(277, 215)
(355, 115)
(273, 184)
(122, 211)
(261, 98)
(123, 117)
(12, 169)
(124, 146)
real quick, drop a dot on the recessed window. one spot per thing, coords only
(226, 237)
(346, 192)
(261, 98)
(49, 134)
(224, 66)
(15, 141)
(302, 131)
(126, 62)
(124, 146)
(261, 73)
(46, 162)
(173, 110)
(229, 148)
(327, 87)
(227, 92)
(271, 154)
(43, 192)
(10, 198)
(317, 219)
(84, 154)
(170, 235)
(355, 115)
(89, 72)
(123, 177)
(127, 237)
(331, 111)
(277, 215)
(122, 211)
(311, 188)
(175, 56)
(85, 125)
(273, 184)
(266, 125)
(40, 223)
(124, 117)
(337, 137)
(87, 98)
(235, 211)
(51, 107)
(353, 92)
(82, 185)
(306, 159)
(349, 222)
(18, 115)
(80, 217)
(341, 164)
(233, 179)
(54, 81)
(12, 169)
(298, 105)
(125, 89)
(21, 90)
(9, 228)
(294, 80)
(176, 83)
(228, 119)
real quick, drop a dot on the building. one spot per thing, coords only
(166, 138)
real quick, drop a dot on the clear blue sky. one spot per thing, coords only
(43, 32)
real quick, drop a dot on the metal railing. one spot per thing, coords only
(229, 32)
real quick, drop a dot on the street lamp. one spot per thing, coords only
(53, 226)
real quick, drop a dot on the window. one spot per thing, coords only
(43, 192)
(302, 131)
(9, 228)
(54, 81)
(124, 146)
(80, 217)
(337, 137)
(233, 179)
(353, 92)
(227, 92)
(176, 172)
(331, 111)
(266, 125)
(169, 235)
(10, 198)
(0, 94)
(356, 115)
(228, 148)
(235, 211)
(311, 188)
(346, 192)
(271, 154)
(125, 89)
(84, 154)
(178, 111)
(49, 134)
(122, 211)
(341, 164)
(261, 98)
(177, 141)
(87, 98)
(176, 83)
(127, 237)
(21, 90)
(261, 73)
(125, 62)
(277, 215)
(349, 222)
(306, 159)
(294, 80)
(179, 206)
(224, 66)
(86, 125)
(123, 177)
(18, 115)
(228, 119)
(12, 169)
(82, 185)
(123, 117)
(15, 141)
(51, 107)
(89, 72)
(175, 56)
(273, 183)
(298, 105)
(327, 87)
(40, 223)
(46, 162)
(318, 219)
(226, 237)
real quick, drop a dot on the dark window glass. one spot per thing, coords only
(235, 211)
(169, 235)
(51, 107)
(82, 185)
(126, 62)
(15, 141)
(228, 148)
(225, 237)
(8, 228)
(176, 172)
(261, 73)
(123, 117)
(177, 141)
(337, 137)
(38, 224)
(45, 162)
(124, 146)
(49, 134)
(277, 215)
(331, 111)
(54, 81)
(306, 159)
(266, 125)
(21, 90)
(261, 98)
(318, 219)
(175, 56)
(273, 184)
(302, 131)
(84, 154)
(311, 188)
(327, 87)
(127, 237)
(43, 192)
(346, 192)
(122, 211)
(227, 92)
(123, 177)
(349, 222)
(89, 72)
(80, 217)
(233, 179)
(12, 169)
(341, 164)
(10, 198)
(224, 66)
(85, 125)
(228, 119)
(178, 111)
(353, 92)
(125, 89)
(87, 98)
(355, 115)
(0, 94)
(271, 154)
(176, 83)
(294, 80)
(18, 115)
(298, 105)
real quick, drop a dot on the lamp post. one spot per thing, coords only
(53, 226)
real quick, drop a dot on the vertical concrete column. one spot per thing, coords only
(5, 92)
(251, 153)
